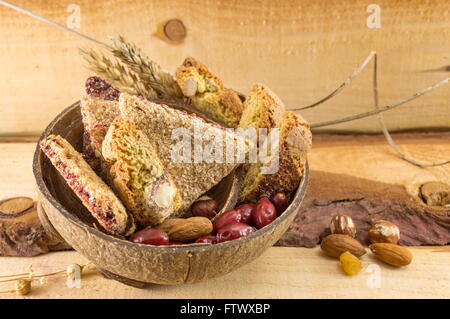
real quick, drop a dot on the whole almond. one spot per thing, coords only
(186, 229)
(343, 224)
(336, 244)
(392, 254)
(383, 231)
(189, 87)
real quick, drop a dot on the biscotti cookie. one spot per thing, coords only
(99, 106)
(92, 148)
(294, 143)
(161, 123)
(262, 109)
(137, 174)
(98, 109)
(95, 195)
(206, 92)
(99, 88)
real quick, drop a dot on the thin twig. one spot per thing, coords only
(59, 26)
(384, 127)
(342, 86)
(36, 276)
(383, 109)
(16, 275)
(7, 291)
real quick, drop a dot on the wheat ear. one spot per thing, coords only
(149, 72)
(117, 74)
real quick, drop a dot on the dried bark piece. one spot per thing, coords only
(21, 232)
(435, 193)
(365, 201)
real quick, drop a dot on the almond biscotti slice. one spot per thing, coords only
(193, 175)
(92, 149)
(137, 174)
(95, 195)
(294, 143)
(262, 109)
(99, 88)
(99, 106)
(98, 109)
(207, 93)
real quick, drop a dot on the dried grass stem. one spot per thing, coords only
(148, 71)
(117, 74)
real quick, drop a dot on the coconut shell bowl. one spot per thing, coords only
(63, 216)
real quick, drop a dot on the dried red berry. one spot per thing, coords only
(246, 211)
(205, 208)
(264, 213)
(280, 201)
(233, 231)
(229, 217)
(210, 239)
(150, 236)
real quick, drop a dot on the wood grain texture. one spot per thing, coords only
(16, 176)
(278, 273)
(301, 49)
(362, 156)
(21, 231)
(372, 158)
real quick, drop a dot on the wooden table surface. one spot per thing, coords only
(279, 272)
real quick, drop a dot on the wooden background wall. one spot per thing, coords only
(302, 49)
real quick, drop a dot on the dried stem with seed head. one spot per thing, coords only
(148, 71)
(383, 109)
(386, 133)
(24, 280)
(342, 86)
(378, 111)
(117, 74)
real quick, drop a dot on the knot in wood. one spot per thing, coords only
(175, 30)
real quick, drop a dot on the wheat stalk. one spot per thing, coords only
(149, 72)
(117, 74)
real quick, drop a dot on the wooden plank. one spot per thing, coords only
(372, 158)
(302, 49)
(360, 156)
(16, 175)
(278, 273)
